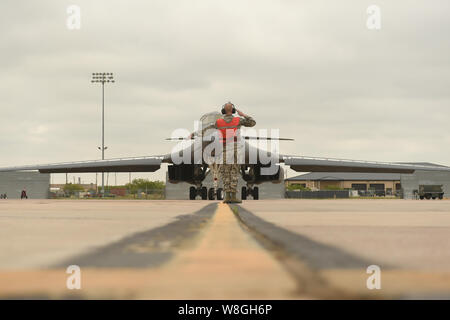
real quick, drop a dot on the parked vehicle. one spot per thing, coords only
(430, 192)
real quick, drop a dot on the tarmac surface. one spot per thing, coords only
(265, 249)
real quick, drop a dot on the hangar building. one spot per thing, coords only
(411, 182)
(390, 183)
(387, 182)
(36, 184)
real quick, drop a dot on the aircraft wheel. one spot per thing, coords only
(204, 193)
(219, 194)
(244, 193)
(211, 194)
(421, 197)
(192, 193)
(255, 193)
(428, 197)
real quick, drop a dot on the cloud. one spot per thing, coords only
(310, 68)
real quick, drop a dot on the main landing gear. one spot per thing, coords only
(250, 191)
(213, 194)
(205, 194)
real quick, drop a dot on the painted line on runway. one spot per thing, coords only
(225, 262)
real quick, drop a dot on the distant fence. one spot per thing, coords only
(322, 194)
(114, 193)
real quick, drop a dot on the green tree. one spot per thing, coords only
(144, 185)
(71, 189)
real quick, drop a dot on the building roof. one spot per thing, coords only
(339, 176)
(350, 176)
(424, 164)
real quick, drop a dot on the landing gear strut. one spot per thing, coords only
(250, 191)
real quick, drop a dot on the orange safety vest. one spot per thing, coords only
(228, 129)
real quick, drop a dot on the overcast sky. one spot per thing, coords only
(310, 68)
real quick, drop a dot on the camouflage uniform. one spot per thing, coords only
(229, 172)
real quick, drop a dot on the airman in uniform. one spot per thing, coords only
(229, 168)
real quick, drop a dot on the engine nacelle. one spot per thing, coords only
(255, 175)
(190, 173)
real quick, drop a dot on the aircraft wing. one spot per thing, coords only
(316, 164)
(135, 164)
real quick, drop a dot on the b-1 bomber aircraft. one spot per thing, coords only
(252, 170)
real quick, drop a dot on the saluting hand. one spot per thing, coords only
(240, 113)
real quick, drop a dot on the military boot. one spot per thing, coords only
(234, 199)
(227, 198)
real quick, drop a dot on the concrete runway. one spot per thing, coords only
(266, 249)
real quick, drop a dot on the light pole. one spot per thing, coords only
(103, 77)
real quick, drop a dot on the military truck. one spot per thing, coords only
(428, 191)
